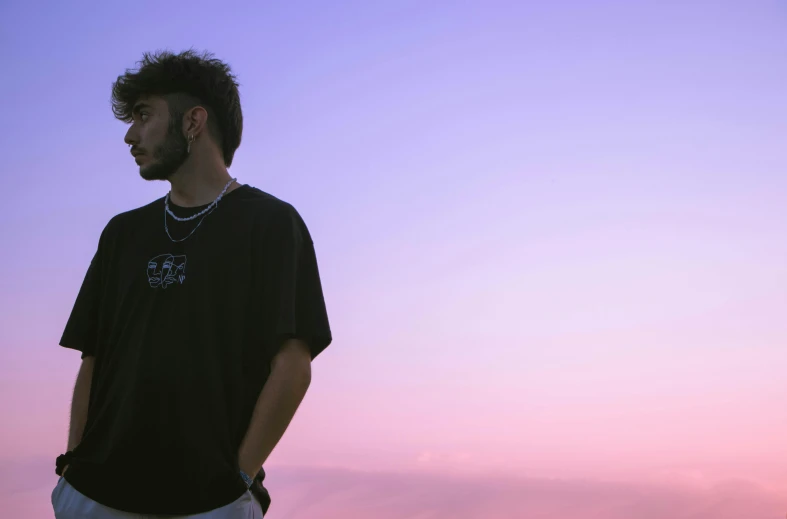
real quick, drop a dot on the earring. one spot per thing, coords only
(191, 139)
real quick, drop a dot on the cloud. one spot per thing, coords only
(432, 457)
(343, 494)
(333, 493)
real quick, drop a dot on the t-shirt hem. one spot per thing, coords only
(317, 342)
(73, 346)
(122, 505)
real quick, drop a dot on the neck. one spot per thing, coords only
(199, 181)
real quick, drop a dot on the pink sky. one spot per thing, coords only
(551, 236)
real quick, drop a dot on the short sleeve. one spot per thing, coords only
(81, 331)
(291, 290)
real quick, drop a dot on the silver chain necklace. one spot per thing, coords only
(204, 213)
(207, 209)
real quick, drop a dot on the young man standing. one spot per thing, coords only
(197, 320)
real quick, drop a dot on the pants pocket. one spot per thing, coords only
(256, 507)
(56, 493)
(246, 507)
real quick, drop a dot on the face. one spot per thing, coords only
(157, 141)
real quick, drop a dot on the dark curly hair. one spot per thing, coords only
(185, 80)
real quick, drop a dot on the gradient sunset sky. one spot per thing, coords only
(552, 238)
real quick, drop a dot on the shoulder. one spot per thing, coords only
(273, 215)
(265, 206)
(261, 201)
(120, 221)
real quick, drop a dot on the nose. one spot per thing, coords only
(131, 137)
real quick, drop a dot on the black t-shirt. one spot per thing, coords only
(183, 335)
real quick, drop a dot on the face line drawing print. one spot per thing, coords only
(166, 269)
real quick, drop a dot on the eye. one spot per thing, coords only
(143, 116)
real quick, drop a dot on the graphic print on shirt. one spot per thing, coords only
(165, 269)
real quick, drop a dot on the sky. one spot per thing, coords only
(551, 237)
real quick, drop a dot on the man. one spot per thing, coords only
(197, 320)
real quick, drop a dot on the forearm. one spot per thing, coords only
(275, 408)
(79, 403)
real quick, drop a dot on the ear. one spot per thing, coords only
(195, 121)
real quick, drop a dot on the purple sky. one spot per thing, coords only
(551, 236)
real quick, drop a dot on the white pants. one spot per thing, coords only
(69, 503)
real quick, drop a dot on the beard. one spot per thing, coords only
(168, 156)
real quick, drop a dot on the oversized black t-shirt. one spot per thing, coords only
(183, 335)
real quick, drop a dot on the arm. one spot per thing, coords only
(79, 403)
(279, 399)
